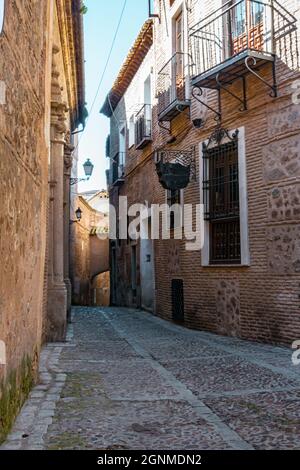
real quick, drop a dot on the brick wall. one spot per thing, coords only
(88, 252)
(259, 302)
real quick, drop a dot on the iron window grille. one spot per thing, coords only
(173, 197)
(221, 201)
(143, 126)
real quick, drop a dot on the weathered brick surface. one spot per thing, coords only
(23, 168)
(89, 255)
(32, 29)
(259, 302)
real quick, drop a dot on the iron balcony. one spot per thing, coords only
(172, 87)
(143, 127)
(237, 38)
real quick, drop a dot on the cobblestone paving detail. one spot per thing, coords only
(125, 379)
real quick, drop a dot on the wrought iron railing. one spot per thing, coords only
(143, 125)
(237, 26)
(171, 82)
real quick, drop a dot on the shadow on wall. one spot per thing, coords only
(92, 293)
(100, 290)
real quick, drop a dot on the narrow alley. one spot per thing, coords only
(149, 232)
(126, 379)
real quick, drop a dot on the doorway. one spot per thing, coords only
(113, 292)
(147, 267)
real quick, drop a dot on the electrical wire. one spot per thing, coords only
(104, 70)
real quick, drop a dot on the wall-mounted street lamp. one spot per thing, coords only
(88, 171)
(78, 214)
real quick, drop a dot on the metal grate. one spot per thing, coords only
(221, 181)
(221, 201)
(177, 300)
(225, 242)
(173, 197)
(143, 126)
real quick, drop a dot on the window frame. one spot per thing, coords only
(131, 131)
(171, 220)
(243, 202)
(122, 148)
(177, 9)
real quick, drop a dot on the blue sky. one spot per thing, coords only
(100, 23)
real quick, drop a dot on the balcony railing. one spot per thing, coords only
(238, 29)
(118, 169)
(172, 87)
(143, 126)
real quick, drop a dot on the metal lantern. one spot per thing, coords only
(173, 175)
(88, 168)
(78, 214)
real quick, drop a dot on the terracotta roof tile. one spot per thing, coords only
(129, 68)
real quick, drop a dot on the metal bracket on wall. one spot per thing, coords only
(168, 129)
(274, 90)
(197, 92)
(242, 100)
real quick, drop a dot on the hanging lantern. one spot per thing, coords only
(173, 175)
(88, 168)
(78, 214)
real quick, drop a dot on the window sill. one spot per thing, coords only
(225, 265)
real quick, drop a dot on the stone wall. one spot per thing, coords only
(23, 188)
(37, 116)
(89, 253)
(101, 290)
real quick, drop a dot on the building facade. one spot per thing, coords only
(89, 254)
(41, 105)
(218, 126)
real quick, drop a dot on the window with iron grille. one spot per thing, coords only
(221, 202)
(174, 199)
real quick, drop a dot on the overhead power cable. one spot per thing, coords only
(104, 70)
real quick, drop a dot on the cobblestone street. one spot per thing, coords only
(128, 380)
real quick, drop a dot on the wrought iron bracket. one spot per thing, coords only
(273, 87)
(74, 181)
(197, 92)
(168, 129)
(218, 135)
(242, 100)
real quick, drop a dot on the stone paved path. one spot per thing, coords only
(128, 380)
